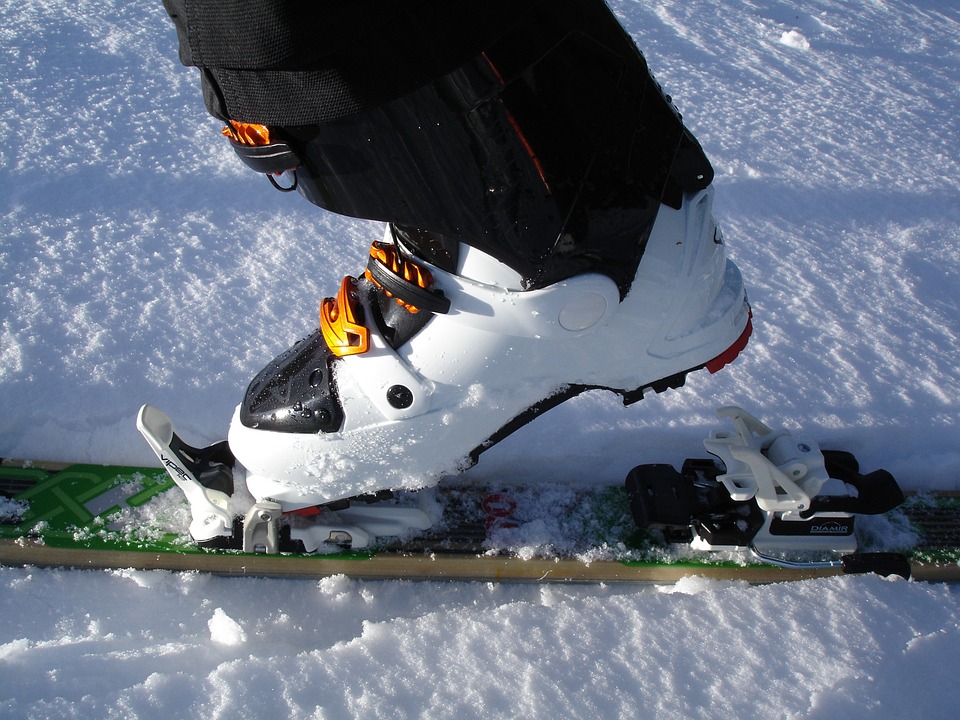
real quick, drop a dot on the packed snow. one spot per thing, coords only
(141, 262)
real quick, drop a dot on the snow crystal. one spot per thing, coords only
(11, 510)
(794, 39)
(225, 630)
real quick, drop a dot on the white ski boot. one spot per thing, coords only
(346, 413)
(349, 411)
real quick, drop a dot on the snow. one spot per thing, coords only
(188, 645)
(140, 261)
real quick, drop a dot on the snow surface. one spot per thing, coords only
(139, 261)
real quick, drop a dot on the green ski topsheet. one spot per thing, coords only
(89, 506)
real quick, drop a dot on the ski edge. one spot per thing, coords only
(397, 566)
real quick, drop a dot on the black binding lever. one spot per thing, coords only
(879, 563)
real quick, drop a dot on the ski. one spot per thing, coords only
(103, 516)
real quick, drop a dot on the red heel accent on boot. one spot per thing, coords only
(731, 353)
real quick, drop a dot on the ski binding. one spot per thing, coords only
(226, 516)
(776, 494)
